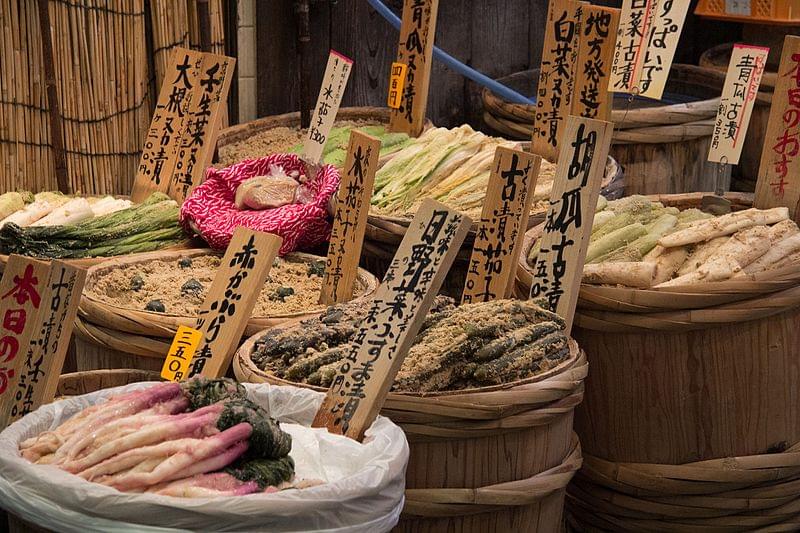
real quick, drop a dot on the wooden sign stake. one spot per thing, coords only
(415, 51)
(395, 316)
(231, 298)
(350, 218)
(595, 54)
(779, 172)
(504, 220)
(668, 19)
(568, 226)
(633, 33)
(334, 82)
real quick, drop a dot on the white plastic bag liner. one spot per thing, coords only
(364, 491)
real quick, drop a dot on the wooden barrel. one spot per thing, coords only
(487, 459)
(662, 146)
(109, 336)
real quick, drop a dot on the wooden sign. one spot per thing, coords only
(568, 226)
(334, 81)
(395, 316)
(504, 220)
(633, 34)
(556, 76)
(231, 298)
(595, 54)
(662, 43)
(22, 287)
(187, 94)
(350, 218)
(415, 51)
(397, 82)
(205, 111)
(181, 351)
(779, 173)
(736, 103)
(39, 371)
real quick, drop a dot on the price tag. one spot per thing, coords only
(662, 43)
(736, 103)
(186, 119)
(395, 316)
(595, 54)
(737, 7)
(415, 50)
(779, 172)
(181, 352)
(350, 218)
(334, 82)
(633, 34)
(503, 223)
(568, 226)
(201, 123)
(556, 76)
(397, 82)
(231, 298)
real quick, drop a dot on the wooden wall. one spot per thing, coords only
(496, 37)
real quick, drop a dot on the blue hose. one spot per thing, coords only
(498, 88)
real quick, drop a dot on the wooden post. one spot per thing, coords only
(595, 54)
(56, 129)
(231, 298)
(415, 50)
(395, 316)
(503, 223)
(204, 25)
(779, 172)
(350, 218)
(568, 226)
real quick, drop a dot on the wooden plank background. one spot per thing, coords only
(496, 37)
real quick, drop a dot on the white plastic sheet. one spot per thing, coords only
(364, 489)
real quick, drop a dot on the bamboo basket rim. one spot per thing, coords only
(142, 322)
(120, 341)
(624, 309)
(451, 502)
(573, 370)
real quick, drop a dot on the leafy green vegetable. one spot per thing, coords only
(265, 472)
(202, 391)
(267, 440)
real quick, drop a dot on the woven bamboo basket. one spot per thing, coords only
(110, 336)
(487, 459)
(662, 146)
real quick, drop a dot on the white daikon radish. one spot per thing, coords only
(72, 212)
(729, 224)
(631, 274)
(33, 212)
(105, 208)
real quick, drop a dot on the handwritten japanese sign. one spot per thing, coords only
(633, 34)
(185, 119)
(350, 218)
(205, 109)
(415, 50)
(556, 76)
(568, 225)
(21, 288)
(595, 53)
(334, 81)
(503, 223)
(397, 82)
(662, 43)
(181, 351)
(779, 173)
(40, 370)
(231, 298)
(736, 103)
(395, 316)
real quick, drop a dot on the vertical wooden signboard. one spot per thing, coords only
(231, 298)
(350, 218)
(595, 54)
(661, 45)
(334, 82)
(205, 111)
(736, 103)
(568, 226)
(504, 220)
(556, 76)
(633, 33)
(779, 173)
(394, 319)
(415, 51)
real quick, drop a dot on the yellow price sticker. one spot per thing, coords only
(181, 352)
(397, 82)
